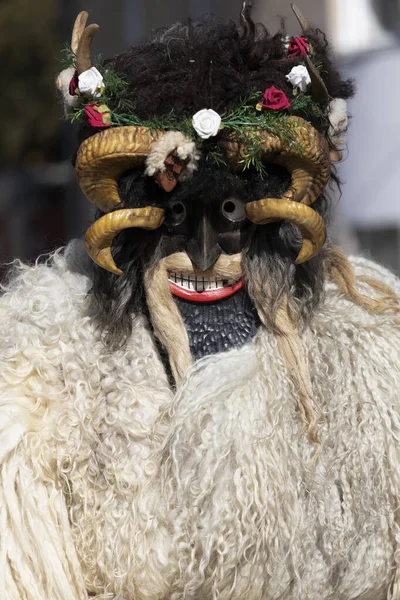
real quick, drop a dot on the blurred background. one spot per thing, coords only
(41, 206)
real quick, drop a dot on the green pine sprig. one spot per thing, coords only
(214, 155)
(305, 106)
(68, 57)
(243, 119)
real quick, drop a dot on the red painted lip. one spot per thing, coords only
(207, 295)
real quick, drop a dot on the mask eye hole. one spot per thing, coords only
(178, 209)
(233, 210)
(177, 213)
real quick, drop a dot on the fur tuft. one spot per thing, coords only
(62, 83)
(338, 119)
(185, 148)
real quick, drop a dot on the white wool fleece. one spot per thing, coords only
(170, 141)
(114, 486)
(338, 119)
(62, 82)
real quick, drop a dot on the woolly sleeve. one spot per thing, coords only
(37, 557)
(364, 267)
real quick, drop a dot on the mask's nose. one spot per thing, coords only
(203, 249)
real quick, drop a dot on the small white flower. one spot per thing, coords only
(90, 83)
(299, 77)
(206, 122)
(339, 120)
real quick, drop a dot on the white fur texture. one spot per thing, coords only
(62, 82)
(339, 120)
(112, 484)
(185, 148)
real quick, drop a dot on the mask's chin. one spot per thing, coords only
(224, 279)
(187, 331)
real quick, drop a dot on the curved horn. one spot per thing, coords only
(310, 223)
(103, 158)
(305, 24)
(305, 155)
(83, 58)
(79, 27)
(319, 91)
(99, 237)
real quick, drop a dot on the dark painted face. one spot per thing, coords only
(205, 216)
(206, 227)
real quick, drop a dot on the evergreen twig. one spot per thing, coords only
(243, 120)
(67, 58)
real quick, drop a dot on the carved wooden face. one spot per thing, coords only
(205, 218)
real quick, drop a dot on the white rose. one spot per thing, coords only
(299, 77)
(339, 120)
(90, 83)
(206, 123)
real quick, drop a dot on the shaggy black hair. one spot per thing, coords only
(189, 66)
(214, 64)
(211, 64)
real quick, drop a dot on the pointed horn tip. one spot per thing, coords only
(304, 23)
(92, 29)
(310, 248)
(78, 29)
(307, 252)
(83, 15)
(83, 58)
(296, 10)
(103, 258)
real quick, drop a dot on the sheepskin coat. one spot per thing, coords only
(115, 487)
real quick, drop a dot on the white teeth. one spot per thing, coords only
(198, 283)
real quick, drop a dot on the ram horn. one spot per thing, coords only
(319, 91)
(100, 235)
(305, 156)
(310, 223)
(79, 27)
(83, 55)
(105, 156)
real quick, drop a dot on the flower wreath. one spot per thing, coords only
(90, 94)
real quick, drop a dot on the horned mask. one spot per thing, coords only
(106, 155)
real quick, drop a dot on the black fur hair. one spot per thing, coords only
(211, 64)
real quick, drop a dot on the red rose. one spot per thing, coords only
(275, 99)
(73, 84)
(98, 115)
(298, 47)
